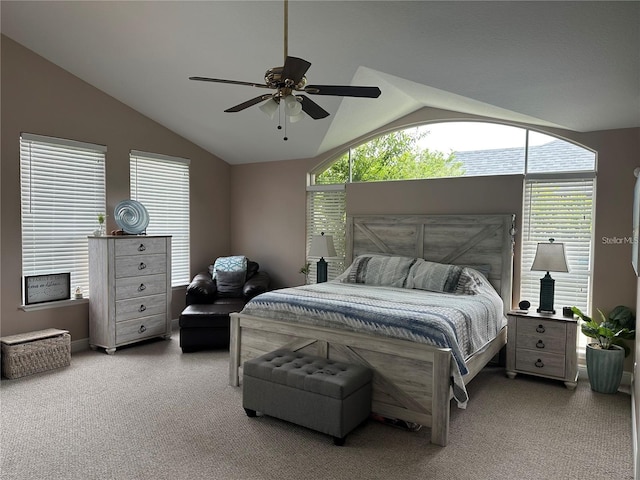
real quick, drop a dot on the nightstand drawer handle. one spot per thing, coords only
(142, 287)
(142, 266)
(539, 363)
(142, 308)
(540, 328)
(142, 248)
(142, 329)
(540, 344)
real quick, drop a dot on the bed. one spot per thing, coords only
(413, 381)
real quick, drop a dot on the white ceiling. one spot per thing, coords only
(574, 65)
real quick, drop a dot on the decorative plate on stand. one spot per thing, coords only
(132, 217)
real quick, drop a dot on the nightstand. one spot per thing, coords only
(542, 345)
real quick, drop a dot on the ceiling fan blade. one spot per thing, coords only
(294, 69)
(312, 109)
(232, 82)
(343, 91)
(248, 103)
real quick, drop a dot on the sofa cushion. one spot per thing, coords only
(233, 263)
(230, 284)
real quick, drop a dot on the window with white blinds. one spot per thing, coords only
(561, 209)
(62, 184)
(326, 212)
(161, 184)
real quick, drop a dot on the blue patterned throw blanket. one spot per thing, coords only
(463, 323)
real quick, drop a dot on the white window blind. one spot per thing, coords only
(161, 184)
(326, 212)
(62, 185)
(561, 209)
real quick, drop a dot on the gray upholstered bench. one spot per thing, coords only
(314, 392)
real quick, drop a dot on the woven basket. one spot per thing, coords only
(35, 352)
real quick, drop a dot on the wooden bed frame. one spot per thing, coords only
(398, 392)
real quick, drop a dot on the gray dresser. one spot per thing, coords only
(129, 290)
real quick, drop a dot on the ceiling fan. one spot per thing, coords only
(290, 86)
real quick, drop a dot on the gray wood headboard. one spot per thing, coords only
(453, 239)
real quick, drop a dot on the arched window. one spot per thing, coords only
(558, 191)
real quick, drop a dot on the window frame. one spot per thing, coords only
(53, 238)
(175, 215)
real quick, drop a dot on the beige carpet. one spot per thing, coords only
(151, 412)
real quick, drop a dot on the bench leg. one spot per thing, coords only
(250, 413)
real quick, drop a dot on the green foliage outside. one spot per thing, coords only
(395, 156)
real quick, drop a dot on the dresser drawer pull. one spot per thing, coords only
(142, 329)
(142, 248)
(142, 308)
(540, 328)
(540, 344)
(539, 363)
(142, 266)
(142, 287)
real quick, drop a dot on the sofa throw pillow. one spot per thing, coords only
(383, 270)
(230, 283)
(234, 263)
(434, 277)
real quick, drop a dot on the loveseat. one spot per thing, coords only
(204, 323)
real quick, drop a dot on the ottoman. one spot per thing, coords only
(318, 393)
(205, 326)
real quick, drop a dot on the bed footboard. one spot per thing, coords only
(411, 381)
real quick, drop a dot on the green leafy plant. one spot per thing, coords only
(613, 329)
(101, 217)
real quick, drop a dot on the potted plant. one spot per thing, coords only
(605, 357)
(305, 271)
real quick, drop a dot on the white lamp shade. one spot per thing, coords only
(294, 107)
(296, 118)
(550, 257)
(270, 107)
(322, 246)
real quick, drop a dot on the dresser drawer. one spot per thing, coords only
(133, 330)
(133, 266)
(141, 307)
(536, 326)
(540, 363)
(135, 287)
(140, 245)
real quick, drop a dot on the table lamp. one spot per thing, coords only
(322, 246)
(550, 257)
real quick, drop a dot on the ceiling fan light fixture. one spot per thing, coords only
(270, 107)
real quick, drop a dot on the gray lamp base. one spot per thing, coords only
(547, 291)
(321, 275)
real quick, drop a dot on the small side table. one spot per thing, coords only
(542, 345)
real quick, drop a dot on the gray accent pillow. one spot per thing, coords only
(383, 270)
(230, 283)
(434, 277)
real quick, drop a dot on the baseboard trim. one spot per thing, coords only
(634, 430)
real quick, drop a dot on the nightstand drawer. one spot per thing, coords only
(537, 326)
(542, 342)
(546, 364)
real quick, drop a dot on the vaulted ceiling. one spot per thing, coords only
(574, 65)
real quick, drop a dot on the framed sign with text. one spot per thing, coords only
(47, 288)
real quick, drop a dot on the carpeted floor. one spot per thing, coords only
(151, 412)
